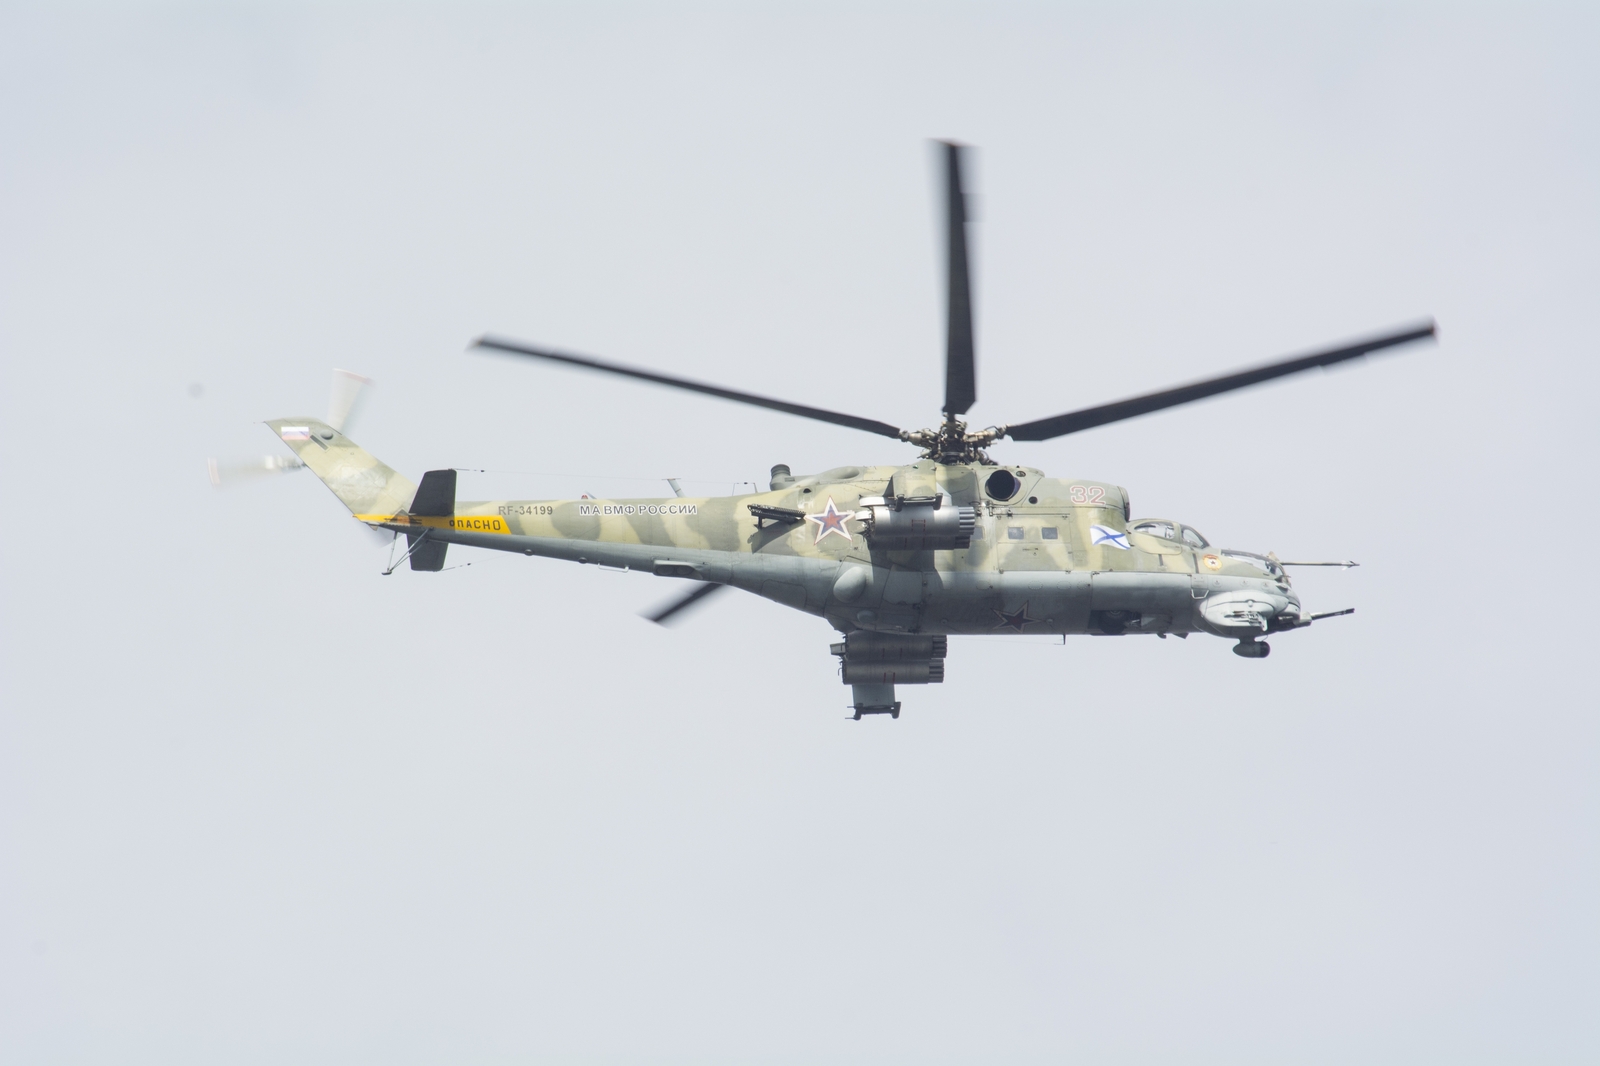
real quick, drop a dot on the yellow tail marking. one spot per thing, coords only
(471, 523)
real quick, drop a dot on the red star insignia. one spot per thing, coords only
(1016, 620)
(831, 521)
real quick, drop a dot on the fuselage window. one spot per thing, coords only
(1193, 539)
(1048, 533)
(1014, 532)
(1155, 529)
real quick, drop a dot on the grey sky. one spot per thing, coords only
(260, 804)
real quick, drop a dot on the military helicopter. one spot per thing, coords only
(898, 558)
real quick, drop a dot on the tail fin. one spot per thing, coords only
(362, 484)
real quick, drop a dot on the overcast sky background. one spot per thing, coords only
(259, 804)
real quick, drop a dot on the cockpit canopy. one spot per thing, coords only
(1169, 530)
(1260, 562)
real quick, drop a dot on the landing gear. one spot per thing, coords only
(1252, 649)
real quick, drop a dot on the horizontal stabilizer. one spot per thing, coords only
(428, 555)
(436, 496)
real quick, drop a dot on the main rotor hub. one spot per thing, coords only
(951, 444)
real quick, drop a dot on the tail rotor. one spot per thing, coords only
(344, 400)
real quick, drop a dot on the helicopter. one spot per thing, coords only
(898, 558)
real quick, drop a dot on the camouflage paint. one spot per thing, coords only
(1014, 578)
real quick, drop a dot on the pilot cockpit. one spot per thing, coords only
(1269, 563)
(1176, 531)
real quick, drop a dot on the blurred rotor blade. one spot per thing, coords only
(379, 535)
(348, 388)
(960, 373)
(225, 474)
(1089, 417)
(517, 348)
(661, 614)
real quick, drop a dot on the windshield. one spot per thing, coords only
(1258, 561)
(1155, 529)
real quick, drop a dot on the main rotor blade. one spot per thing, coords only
(518, 348)
(661, 614)
(1089, 417)
(960, 373)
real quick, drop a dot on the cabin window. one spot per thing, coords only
(1194, 539)
(1155, 529)
(1048, 533)
(1014, 532)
